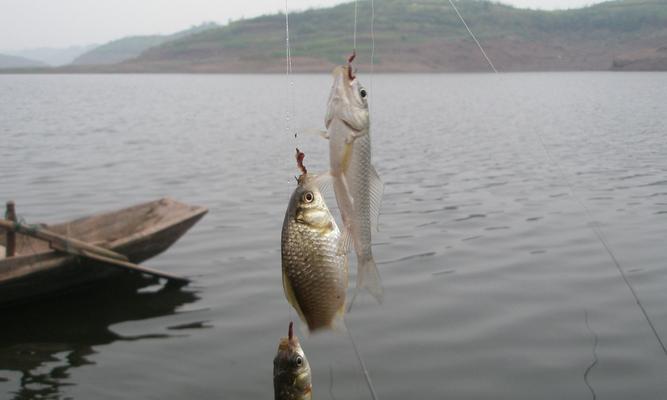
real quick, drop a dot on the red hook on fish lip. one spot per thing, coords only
(290, 331)
(349, 65)
(299, 161)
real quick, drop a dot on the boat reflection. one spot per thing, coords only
(42, 342)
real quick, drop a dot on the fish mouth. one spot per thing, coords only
(341, 70)
(350, 73)
(344, 100)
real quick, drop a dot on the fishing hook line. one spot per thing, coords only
(592, 222)
(362, 364)
(595, 227)
(290, 114)
(331, 383)
(488, 60)
(370, 100)
(595, 356)
(354, 36)
(288, 70)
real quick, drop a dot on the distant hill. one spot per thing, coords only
(425, 36)
(118, 50)
(18, 62)
(53, 56)
(130, 47)
(410, 36)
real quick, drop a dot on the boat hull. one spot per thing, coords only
(32, 276)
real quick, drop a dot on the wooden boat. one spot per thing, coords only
(139, 233)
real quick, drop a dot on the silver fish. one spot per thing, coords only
(291, 371)
(314, 263)
(357, 186)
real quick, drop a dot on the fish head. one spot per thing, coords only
(291, 371)
(309, 205)
(348, 100)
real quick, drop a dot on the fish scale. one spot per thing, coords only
(314, 267)
(357, 186)
(358, 179)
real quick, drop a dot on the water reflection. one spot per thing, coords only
(43, 342)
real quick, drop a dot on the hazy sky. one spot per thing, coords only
(61, 23)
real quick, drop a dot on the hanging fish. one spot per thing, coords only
(357, 186)
(291, 371)
(314, 260)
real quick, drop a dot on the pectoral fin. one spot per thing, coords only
(314, 132)
(323, 182)
(347, 155)
(345, 242)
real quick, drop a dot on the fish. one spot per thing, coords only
(314, 261)
(291, 371)
(357, 185)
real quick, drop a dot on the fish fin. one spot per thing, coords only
(344, 200)
(368, 277)
(291, 297)
(347, 155)
(345, 241)
(354, 135)
(314, 132)
(376, 191)
(323, 182)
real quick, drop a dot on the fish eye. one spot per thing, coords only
(308, 197)
(299, 361)
(363, 93)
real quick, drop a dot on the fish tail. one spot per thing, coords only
(368, 277)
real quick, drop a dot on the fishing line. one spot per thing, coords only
(331, 383)
(595, 356)
(592, 223)
(288, 70)
(370, 100)
(356, 13)
(362, 364)
(290, 114)
(595, 227)
(473, 37)
(364, 370)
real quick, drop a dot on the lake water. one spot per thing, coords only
(496, 284)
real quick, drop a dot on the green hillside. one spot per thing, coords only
(410, 36)
(426, 35)
(130, 47)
